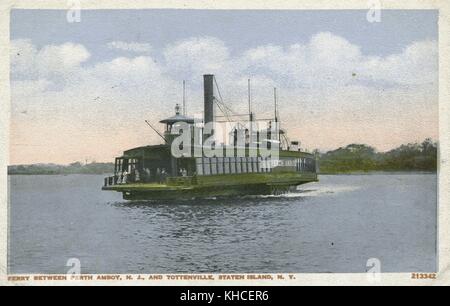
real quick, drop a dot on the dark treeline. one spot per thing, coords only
(363, 158)
(74, 168)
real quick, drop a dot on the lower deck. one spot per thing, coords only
(216, 185)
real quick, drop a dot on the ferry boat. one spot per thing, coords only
(236, 168)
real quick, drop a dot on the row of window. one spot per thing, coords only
(232, 165)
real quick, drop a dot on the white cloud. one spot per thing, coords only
(417, 64)
(330, 93)
(130, 46)
(62, 57)
(328, 60)
(29, 63)
(197, 56)
(137, 69)
(23, 55)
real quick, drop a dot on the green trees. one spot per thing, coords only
(412, 157)
(363, 158)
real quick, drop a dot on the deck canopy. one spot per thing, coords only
(178, 118)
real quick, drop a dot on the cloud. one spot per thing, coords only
(197, 56)
(62, 57)
(130, 46)
(23, 55)
(416, 65)
(330, 93)
(139, 69)
(28, 62)
(329, 60)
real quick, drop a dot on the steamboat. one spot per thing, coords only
(238, 166)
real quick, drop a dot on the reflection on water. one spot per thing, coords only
(335, 225)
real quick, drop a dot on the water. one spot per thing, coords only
(335, 225)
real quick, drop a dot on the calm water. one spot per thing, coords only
(332, 226)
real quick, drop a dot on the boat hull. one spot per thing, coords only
(216, 186)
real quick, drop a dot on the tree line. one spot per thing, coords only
(74, 168)
(362, 158)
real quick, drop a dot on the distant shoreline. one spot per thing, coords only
(54, 169)
(320, 174)
(354, 159)
(61, 174)
(379, 172)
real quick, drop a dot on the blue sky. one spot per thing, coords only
(240, 30)
(84, 89)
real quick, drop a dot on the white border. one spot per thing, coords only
(301, 279)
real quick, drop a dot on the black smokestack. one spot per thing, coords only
(208, 85)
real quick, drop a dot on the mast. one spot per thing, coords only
(277, 125)
(276, 102)
(209, 105)
(250, 102)
(184, 97)
(250, 113)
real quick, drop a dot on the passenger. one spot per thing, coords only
(185, 173)
(125, 177)
(137, 176)
(163, 176)
(158, 175)
(148, 175)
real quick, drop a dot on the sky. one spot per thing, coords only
(83, 90)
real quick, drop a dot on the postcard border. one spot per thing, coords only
(301, 279)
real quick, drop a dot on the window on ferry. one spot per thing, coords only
(232, 165)
(260, 165)
(226, 165)
(220, 169)
(249, 164)
(238, 165)
(199, 164)
(244, 165)
(255, 164)
(213, 165)
(207, 166)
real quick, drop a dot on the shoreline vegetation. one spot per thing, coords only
(353, 159)
(359, 158)
(54, 169)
